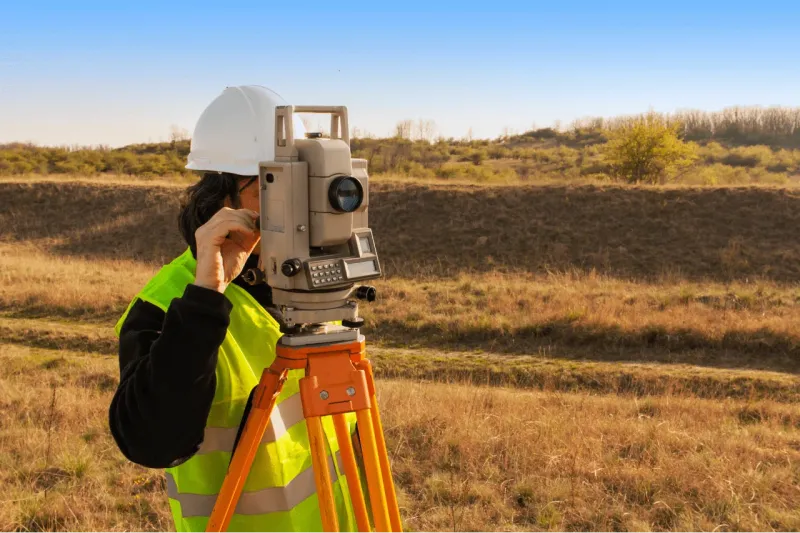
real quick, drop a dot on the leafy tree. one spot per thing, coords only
(647, 149)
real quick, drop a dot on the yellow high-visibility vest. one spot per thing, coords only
(280, 494)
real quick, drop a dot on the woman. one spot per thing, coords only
(195, 339)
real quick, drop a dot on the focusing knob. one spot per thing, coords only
(291, 267)
(365, 292)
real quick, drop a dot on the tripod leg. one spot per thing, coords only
(266, 393)
(322, 475)
(383, 455)
(351, 472)
(386, 471)
(377, 493)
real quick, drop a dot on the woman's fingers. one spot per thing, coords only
(220, 225)
(244, 236)
(223, 244)
(228, 227)
(245, 216)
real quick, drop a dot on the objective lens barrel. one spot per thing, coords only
(346, 194)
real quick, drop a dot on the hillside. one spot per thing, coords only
(440, 230)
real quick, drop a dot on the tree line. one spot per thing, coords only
(735, 145)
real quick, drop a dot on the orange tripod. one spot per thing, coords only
(337, 380)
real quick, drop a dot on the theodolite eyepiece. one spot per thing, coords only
(366, 292)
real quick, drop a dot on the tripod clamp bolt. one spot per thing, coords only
(351, 391)
(324, 395)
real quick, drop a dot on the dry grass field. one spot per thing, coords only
(436, 230)
(551, 358)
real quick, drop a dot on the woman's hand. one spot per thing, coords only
(223, 245)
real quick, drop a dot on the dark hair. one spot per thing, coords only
(203, 199)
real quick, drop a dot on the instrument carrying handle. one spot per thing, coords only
(340, 125)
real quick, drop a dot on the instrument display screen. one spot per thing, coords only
(361, 269)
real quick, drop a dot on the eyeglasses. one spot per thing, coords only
(249, 183)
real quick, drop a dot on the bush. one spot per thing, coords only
(720, 174)
(484, 174)
(499, 151)
(647, 149)
(748, 156)
(711, 153)
(416, 170)
(477, 157)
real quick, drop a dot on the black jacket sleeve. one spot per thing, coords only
(167, 379)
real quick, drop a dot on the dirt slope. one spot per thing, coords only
(437, 230)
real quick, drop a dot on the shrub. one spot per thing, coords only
(711, 153)
(484, 174)
(499, 151)
(477, 157)
(748, 156)
(647, 149)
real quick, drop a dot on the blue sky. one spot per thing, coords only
(105, 73)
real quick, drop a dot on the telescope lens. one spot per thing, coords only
(346, 194)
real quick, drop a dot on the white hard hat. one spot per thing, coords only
(237, 131)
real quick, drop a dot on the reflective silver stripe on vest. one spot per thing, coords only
(286, 414)
(271, 500)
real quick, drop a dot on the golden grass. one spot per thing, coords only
(752, 325)
(60, 469)
(465, 458)
(737, 325)
(41, 284)
(666, 400)
(474, 459)
(486, 369)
